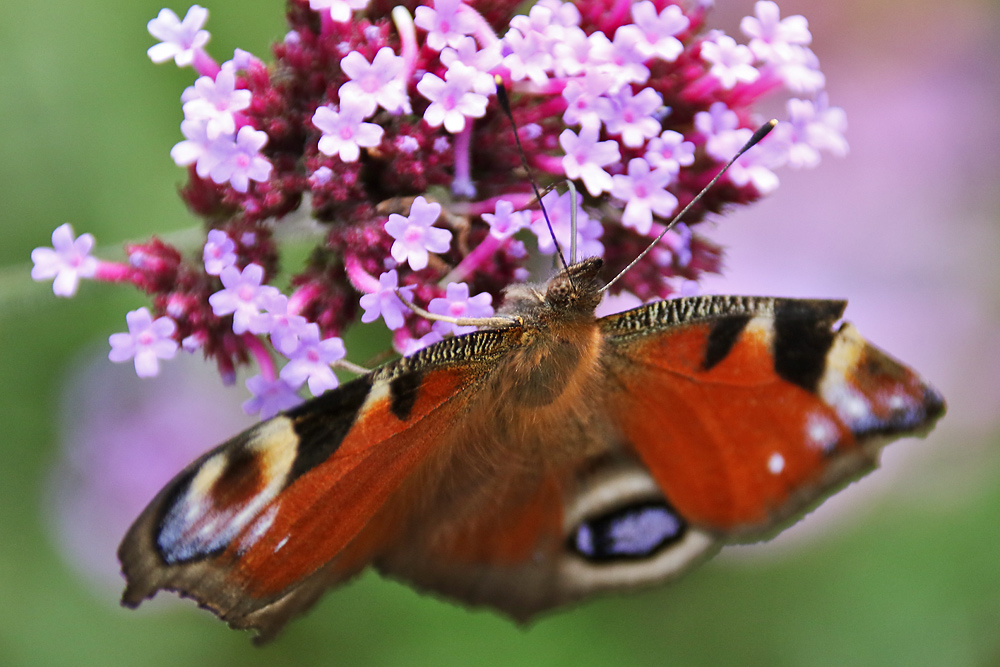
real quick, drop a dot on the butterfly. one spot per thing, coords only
(537, 462)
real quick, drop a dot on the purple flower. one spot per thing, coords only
(239, 162)
(754, 166)
(415, 234)
(385, 302)
(457, 303)
(588, 229)
(506, 222)
(798, 69)
(243, 60)
(600, 56)
(658, 31)
(286, 329)
(541, 19)
(215, 102)
(715, 125)
(147, 341)
(645, 193)
(812, 127)
(66, 261)
(627, 56)
(481, 61)
(406, 143)
(311, 361)
(269, 397)
(376, 84)
(586, 158)
(243, 296)
(446, 23)
(194, 148)
(571, 54)
(344, 130)
(563, 13)
(219, 252)
(631, 116)
(528, 56)
(718, 118)
(582, 96)
(669, 151)
(321, 176)
(452, 99)
(339, 10)
(770, 34)
(731, 62)
(178, 40)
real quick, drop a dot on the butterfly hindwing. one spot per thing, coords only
(602, 525)
(749, 410)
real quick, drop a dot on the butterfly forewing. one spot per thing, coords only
(749, 410)
(258, 527)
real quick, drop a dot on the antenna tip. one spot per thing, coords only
(762, 132)
(502, 97)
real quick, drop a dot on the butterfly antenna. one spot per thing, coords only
(505, 105)
(761, 132)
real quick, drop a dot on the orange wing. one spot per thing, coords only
(748, 411)
(258, 528)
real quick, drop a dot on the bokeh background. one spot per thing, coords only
(902, 568)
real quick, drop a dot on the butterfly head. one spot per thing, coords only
(576, 288)
(573, 292)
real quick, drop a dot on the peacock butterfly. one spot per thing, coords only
(549, 456)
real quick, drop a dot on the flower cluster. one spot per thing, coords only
(383, 125)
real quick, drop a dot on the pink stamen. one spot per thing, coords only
(550, 163)
(326, 23)
(113, 272)
(205, 64)
(362, 281)
(462, 183)
(484, 32)
(408, 41)
(259, 352)
(701, 90)
(302, 297)
(518, 199)
(615, 16)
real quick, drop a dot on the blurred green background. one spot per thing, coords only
(901, 569)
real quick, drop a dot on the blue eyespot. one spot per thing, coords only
(628, 533)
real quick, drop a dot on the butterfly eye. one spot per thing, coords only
(560, 293)
(632, 532)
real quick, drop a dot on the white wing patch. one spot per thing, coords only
(204, 519)
(822, 432)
